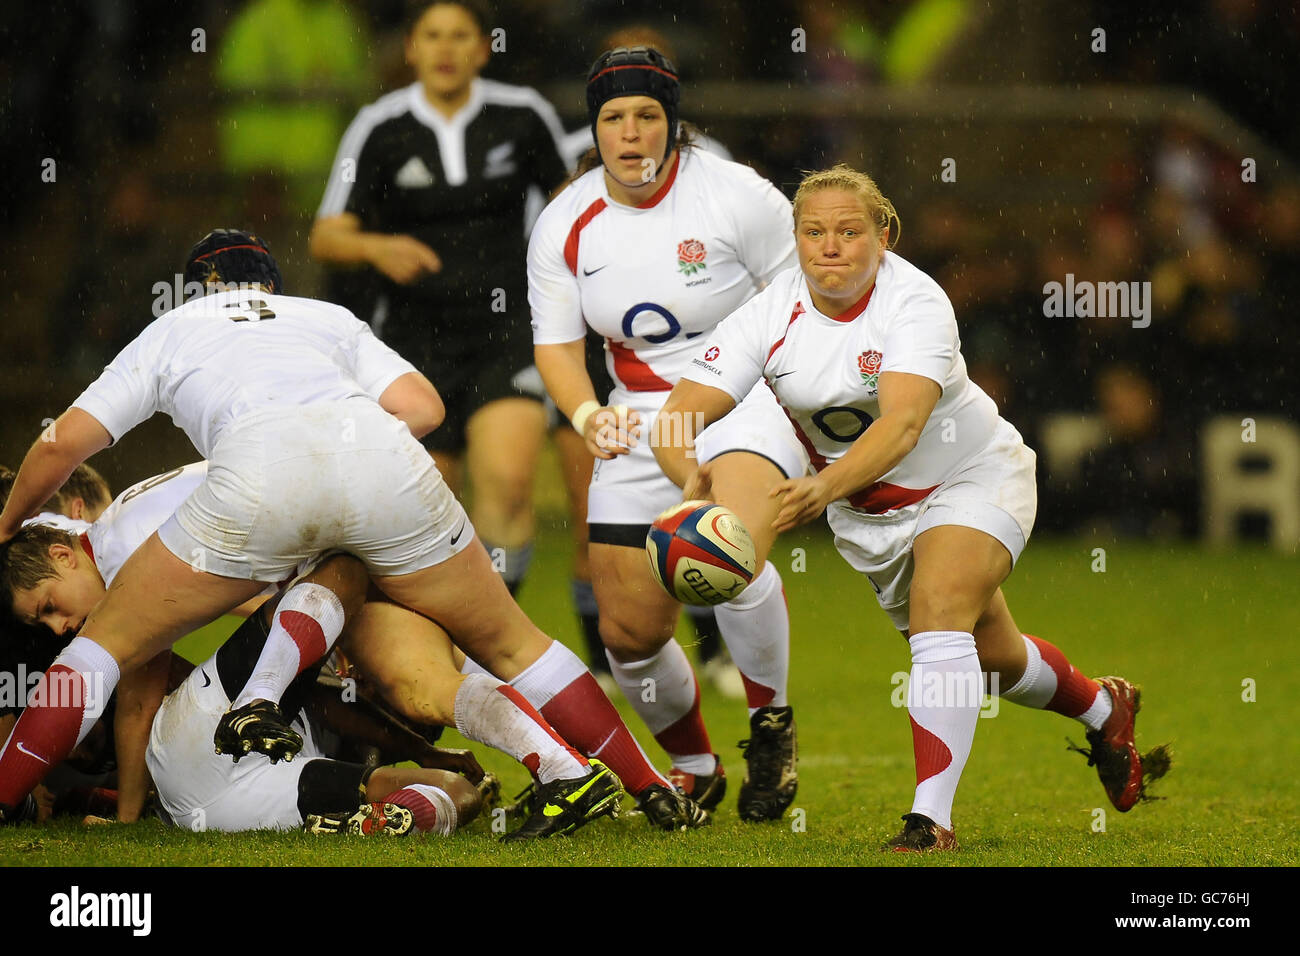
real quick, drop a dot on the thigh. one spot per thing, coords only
(637, 617)
(956, 572)
(469, 600)
(155, 600)
(742, 481)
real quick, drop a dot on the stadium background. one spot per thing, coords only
(1161, 150)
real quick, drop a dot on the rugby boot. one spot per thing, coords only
(258, 727)
(772, 753)
(1112, 750)
(562, 806)
(707, 790)
(666, 808)
(920, 834)
(371, 819)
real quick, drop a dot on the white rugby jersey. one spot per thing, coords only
(825, 369)
(55, 520)
(652, 278)
(137, 513)
(216, 358)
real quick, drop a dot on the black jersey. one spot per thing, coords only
(459, 185)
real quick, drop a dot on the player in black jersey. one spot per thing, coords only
(429, 189)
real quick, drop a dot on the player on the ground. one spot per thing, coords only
(930, 492)
(651, 245)
(307, 422)
(57, 578)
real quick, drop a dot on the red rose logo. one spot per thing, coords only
(711, 353)
(691, 251)
(869, 362)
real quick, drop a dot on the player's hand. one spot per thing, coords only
(403, 258)
(802, 500)
(611, 431)
(699, 486)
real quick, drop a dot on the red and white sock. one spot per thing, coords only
(432, 807)
(756, 627)
(943, 702)
(66, 702)
(559, 685)
(307, 622)
(664, 691)
(492, 712)
(1050, 682)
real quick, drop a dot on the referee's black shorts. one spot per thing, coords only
(471, 360)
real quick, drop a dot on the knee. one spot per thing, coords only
(628, 640)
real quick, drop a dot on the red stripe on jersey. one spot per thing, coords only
(874, 499)
(658, 197)
(857, 308)
(571, 243)
(632, 373)
(880, 497)
(798, 311)
(85, 543)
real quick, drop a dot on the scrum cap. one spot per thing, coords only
(634, 71)
(232, 257)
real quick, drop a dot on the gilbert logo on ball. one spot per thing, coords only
(700, 553)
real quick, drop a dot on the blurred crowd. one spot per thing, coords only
(165, 119)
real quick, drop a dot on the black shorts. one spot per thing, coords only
(470, 358)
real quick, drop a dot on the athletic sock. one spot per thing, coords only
(943, 703)
(511, 563)
(756, 627)
(432, 807)
(492, 712)
(664, 691)
(584, 602)
(567, 695)
(1050, 682)
(66, 702)
(705, 624)
(307, 622)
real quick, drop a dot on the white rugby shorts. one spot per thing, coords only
(995, 492)
(287, 485)
(632, 489)
(201, 790)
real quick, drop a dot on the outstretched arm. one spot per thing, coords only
(691, 407)
(73, 438)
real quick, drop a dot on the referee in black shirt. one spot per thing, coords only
(429, 188)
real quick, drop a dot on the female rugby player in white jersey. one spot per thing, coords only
(930, 493)
(650, 247)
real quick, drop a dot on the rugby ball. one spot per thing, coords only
(700, 553)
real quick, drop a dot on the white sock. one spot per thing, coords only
(492, 712)
(943, 702)
(556, 669)
(662, 689)
(756, 627)
(99, 671)
(1039, 683)
(307, 622)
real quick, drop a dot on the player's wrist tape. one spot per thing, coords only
(582, 413)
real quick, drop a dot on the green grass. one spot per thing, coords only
(1189, 625)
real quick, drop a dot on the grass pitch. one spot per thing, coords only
(1208, 635)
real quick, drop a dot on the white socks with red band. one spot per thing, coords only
(307, 622)
(662, 689)
(943, 702)
(432, 807)
(756, 627)
(492, 712)
(1051, 682)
